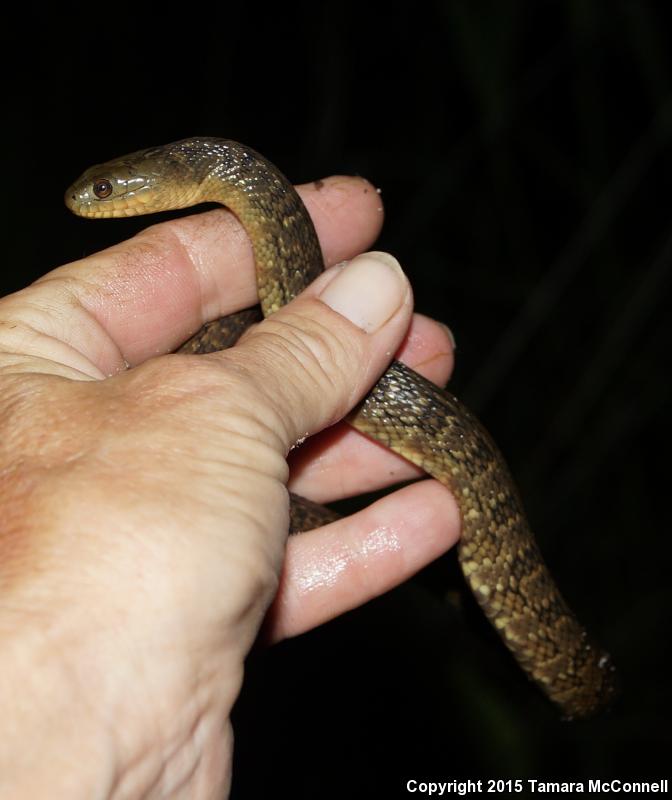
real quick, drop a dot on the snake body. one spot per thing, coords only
(430, 427)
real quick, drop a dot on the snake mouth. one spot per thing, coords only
(130, 204)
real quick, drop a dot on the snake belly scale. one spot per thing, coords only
(428, 426)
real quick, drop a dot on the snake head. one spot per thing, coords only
(141, 183)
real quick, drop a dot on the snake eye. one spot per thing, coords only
(102, 188)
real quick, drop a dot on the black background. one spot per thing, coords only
(523, 152)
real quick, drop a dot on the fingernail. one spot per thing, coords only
(368, 291)
(449, 334)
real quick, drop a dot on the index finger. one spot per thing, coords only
(147, 295)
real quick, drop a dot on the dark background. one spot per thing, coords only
(523, 152)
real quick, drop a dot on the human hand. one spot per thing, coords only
(145, 511)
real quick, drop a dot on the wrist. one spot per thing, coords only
(85, 714)
(51, 744)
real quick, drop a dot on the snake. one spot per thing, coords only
(431, 428)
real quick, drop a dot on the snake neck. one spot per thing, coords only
(286, 249)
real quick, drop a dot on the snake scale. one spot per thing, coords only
(428, 426)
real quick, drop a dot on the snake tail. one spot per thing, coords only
(497, 551)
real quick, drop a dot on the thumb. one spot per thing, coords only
(317, 357)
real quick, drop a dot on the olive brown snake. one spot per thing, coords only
(428, 426)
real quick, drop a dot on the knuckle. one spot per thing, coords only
(315, 362)
(189, 384)
(27, 399)
(209, 398)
